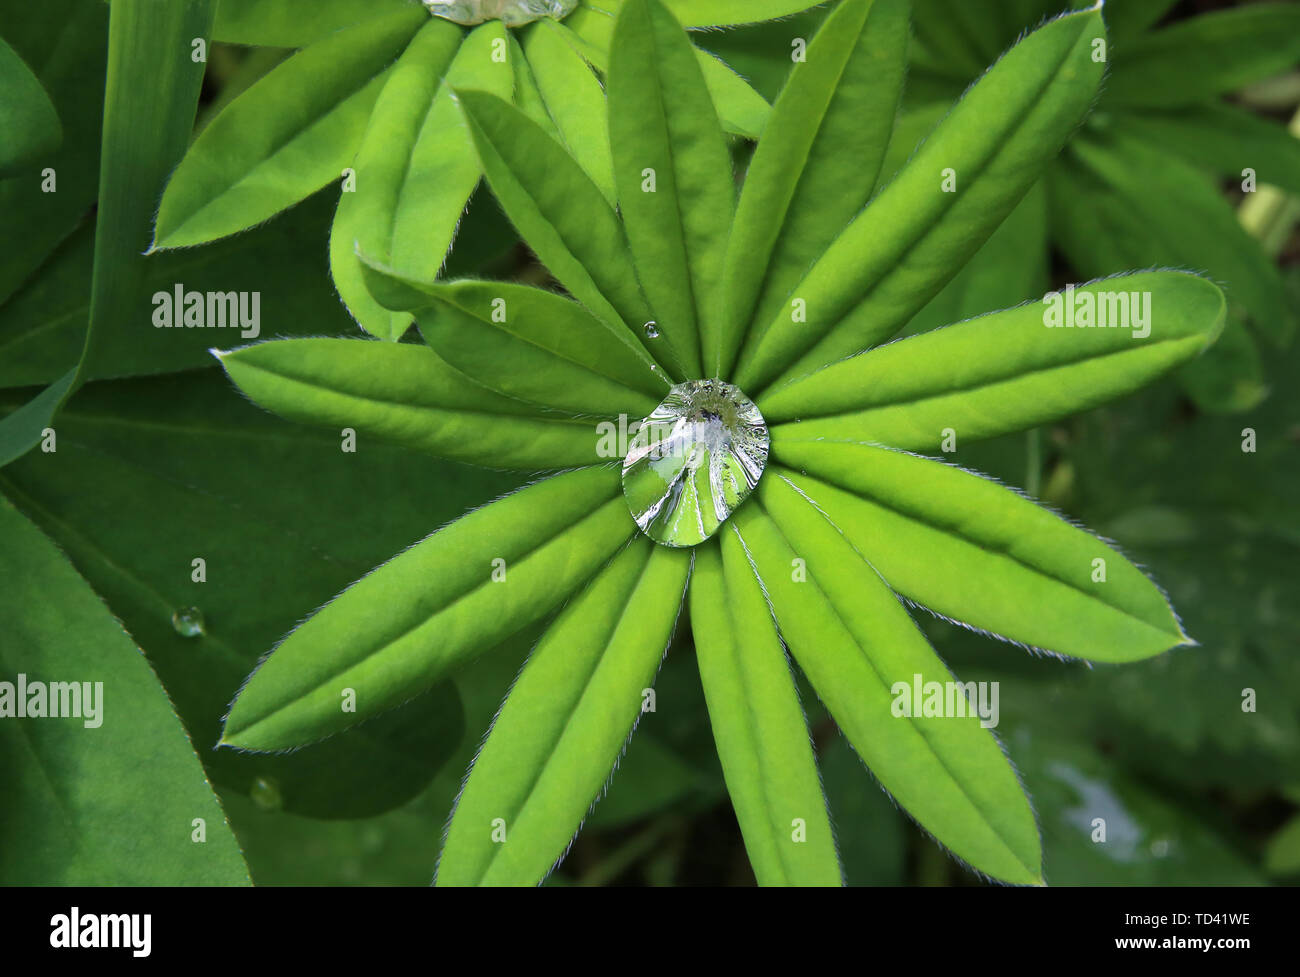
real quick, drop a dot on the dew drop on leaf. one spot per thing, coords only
(652, 330)
(693, 460)
(188, 622)
(265, 793)
(512, 13)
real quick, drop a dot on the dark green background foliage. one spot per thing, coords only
(160, 460)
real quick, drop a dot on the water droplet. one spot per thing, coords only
(188, 622)
(265, 793)
(512, 13)
(693, 461)
(652, 330)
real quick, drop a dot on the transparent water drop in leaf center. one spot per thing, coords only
(693, 461)
(512, 13)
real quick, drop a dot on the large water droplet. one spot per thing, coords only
(189, 623)
(512, 13)
(693, 461)
(652, 330)
(265, 793)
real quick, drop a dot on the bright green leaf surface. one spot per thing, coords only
(294, 23)
(565, 722)
(284, 138)
(27, 116)
(915, 235)
(817, 166)
(758, 723)
(406, 394)
(975, 552)
(1002, 372)
(673, 174)
(400, 630)
(853, 639)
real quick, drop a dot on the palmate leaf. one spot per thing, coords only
(466, 588)
(528, 343)
(406, 394)
(90, 810)
(27, 116)
(854, 640)
(284, 138)
(415, 167)
(1211, 54)
(558, 210)
(1001, 372)
(673, 175)
(980, 554)
(994, 144)
(565, 722)
(758, 723)
(817, 166)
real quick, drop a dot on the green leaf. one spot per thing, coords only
(1005, 371)
(741, 110)
(81, 808)
(528, 343)
(915, 236)
(417, 167)
(817, 166)
(977, 553)
(184, 467)
(400, 630)
(65, 42)
(566, 720)
(142, 139)
(572, 99)
(294, 23)
(673, 174)
(27, 116)
(1222, 137)
(728, 13)
(558, 209)
(405, 394)
(758, 723)
(858, 647)
(1282, 857)
(283, 139)
(1211, 54)
(1189, 223)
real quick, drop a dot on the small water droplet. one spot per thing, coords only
(265, 793)
(694, 459)
(189, 623)
(652, 330)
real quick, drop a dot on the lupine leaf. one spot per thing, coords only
(89, 806)
(558, 210)
(416, 167)
(565, 722)
(973, 551)
(758, 723)
(405, 394)
(741, 110)
(27, 116)
(398, 631)
(1200, 57)
(817, 165)
(284, 138)
(855, 642)
(294, 23)
(573, 99)
(1189, 223)
(663, 128)
(728, 13)
(1001, 372)
(528, 343)
(1222, 137)
(994, 144)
